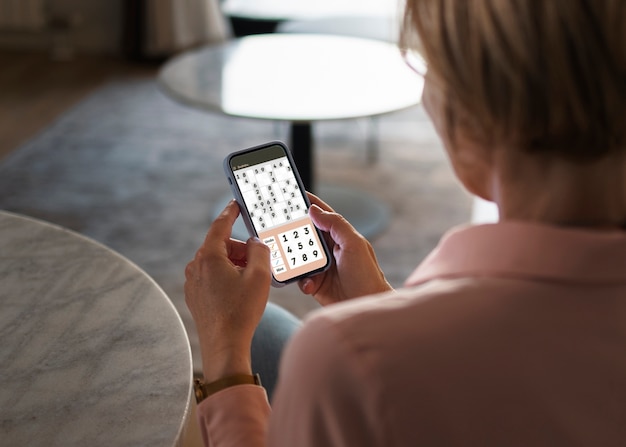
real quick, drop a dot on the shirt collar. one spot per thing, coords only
(527, 250)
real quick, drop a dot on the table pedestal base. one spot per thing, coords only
(369, 216)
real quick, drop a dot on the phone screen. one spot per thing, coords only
(265, 179)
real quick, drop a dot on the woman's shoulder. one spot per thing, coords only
(395, 321)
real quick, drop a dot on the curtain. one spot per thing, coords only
(16, 15)
(174, 25)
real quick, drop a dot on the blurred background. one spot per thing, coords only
(89, 140)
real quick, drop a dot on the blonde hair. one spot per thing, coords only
(538, 75)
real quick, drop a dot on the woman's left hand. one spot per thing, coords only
(226, 290)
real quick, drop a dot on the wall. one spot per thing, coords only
(99, 29)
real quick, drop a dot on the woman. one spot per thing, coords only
(507, 334)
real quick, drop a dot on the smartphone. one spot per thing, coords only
(275, 208)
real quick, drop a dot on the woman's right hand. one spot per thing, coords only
(355, 271)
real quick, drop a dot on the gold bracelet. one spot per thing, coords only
(204, 390)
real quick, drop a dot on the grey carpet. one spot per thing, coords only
(141, 174)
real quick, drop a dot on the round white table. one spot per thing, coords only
(301, 79)
(92, 352)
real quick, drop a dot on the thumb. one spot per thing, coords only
(258, 256)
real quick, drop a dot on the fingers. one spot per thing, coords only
(319, 202)
(258, 257)
(189, 271)
(337, 226)
(220, 230)
(310, 286)
(222, 226)
(237, 252)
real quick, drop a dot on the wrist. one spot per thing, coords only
(202, 390)
(228, 361)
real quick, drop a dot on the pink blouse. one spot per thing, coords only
(507, 334)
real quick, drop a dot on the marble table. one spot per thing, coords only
(92, 351)
(301, 79)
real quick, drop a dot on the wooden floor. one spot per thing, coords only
(34, 89)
